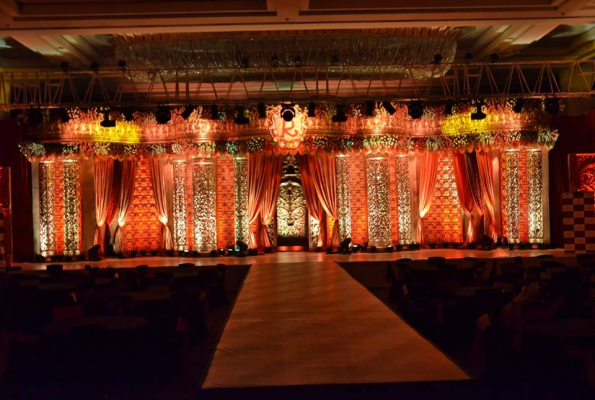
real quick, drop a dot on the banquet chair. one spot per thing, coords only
(186, 265)
(435, 261)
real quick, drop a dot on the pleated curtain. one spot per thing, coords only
(428, 171)
(264, 178)
(158, 183)
(486, 175)
(465, 195)
(322, 170)
(126, 193)
(315, 209)
(103, 171)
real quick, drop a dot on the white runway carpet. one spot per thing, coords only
(310, 323)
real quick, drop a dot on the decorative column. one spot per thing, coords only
(404, 199)
(379, 225)
(511, 194)
(205, 205)
(534, 195)
(241, 198)
(179, 206)
(47, 239)
(343, 196)
(71, 207)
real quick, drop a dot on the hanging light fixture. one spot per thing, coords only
(478, 114)
(415, 109)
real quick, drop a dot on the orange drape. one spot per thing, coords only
(315, 209)
(465, 195)
(486, 175)
(322, 171)
(103, 171)
(425, 188)
(158, 183)
(264, 178)
(126, 192)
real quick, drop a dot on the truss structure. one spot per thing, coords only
(146, 88)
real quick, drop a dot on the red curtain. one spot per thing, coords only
(103, 171)
(486, 175)
(322, 171)
(465, 195)
(264, 178)
(126, 192)
(425, 188)
(158, 183)
(315, 209)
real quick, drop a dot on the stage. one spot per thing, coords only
(301, 257)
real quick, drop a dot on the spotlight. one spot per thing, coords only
(94, 66)
(214, 112)
(122, 64)
(188, 110)
(312, 110)
(437, 58)
(388, 106)
(468, 56)
(244, 61)
(297, 61)
(275, 61)
(340, 115)
(370, 109)
(64, 117)
(163, 115)
(107, 123)
(494, 57)
(128, 114)
(415, 109)
(34, 117)
(334, 59)
(551, 106)
(262, 110)
(448, 107)
(64, 66)
(478, 114)
(241, 118)
(287, 112)
(518, 105)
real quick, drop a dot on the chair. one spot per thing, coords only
(65, 313)
(545, 256)
(164, 277)
(186, 265)
(435, 261)
(54, 268)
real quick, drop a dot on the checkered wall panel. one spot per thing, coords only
(579, 221)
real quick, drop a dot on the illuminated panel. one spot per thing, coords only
(394, 199)
(59, 208)
(444, 223)
(534, 193)
(179, 206)
(379, 227)
(511, 189)
(403, 199)
(143, 228)
(225, 202)
(292, 212)
(314, 232)
(358, 198)
(205, 205)
(241, 198)
(71, 207)
(47, 238)
(343, 197)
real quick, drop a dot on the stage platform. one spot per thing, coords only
(305, 257)
(310, 323)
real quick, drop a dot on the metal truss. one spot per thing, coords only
(145, 88)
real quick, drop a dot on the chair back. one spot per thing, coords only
(435, 261)
(186, 265)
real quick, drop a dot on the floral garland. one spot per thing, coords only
(381, 143)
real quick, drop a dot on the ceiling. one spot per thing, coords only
(42, 33)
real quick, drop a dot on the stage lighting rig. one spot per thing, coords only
(478, 114)
(287, 112)
(34, 117)
(262, 110)
(214, 112)
(312, 110)
(551, 106)
(163, 115)
(388, 106)
(448, 108)
(107, 123)
(188, 110)
(370, 109)
(340, 115)
(240, 117)
(518, 105)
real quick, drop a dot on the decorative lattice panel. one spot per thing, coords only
(443, 223)
(142, 230)
(514, 195)
(72, 212)
(225, 202)
(534, 196)
(292, 211)
(204, 192)
(343, 196)
(47, 226)
(59, 207)
(241, 199)
(358, 197)
(403, 200)
(180, 222)
(379, 207)
(394, 199)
